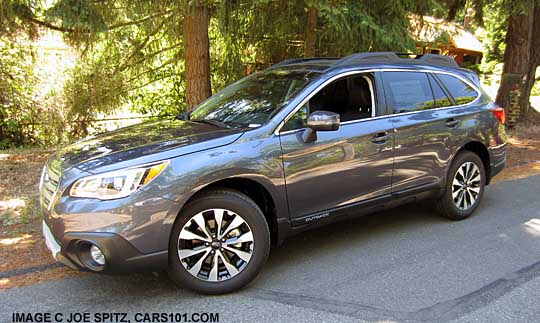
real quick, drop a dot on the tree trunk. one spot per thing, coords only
(516, 64)
(524, 100)
(197, 54)
(311, 36)
(534, 61)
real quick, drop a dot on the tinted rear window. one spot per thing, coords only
(409, 91)
(460, 90)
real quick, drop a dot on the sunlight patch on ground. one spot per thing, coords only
(38, 277)
(12, 204)
(533, 227)
(13, 211)
(518, 172)
(11, 241)
(521, 144)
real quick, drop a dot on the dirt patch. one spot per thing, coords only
(518, 172)
(19, 177)
(37, 277)
(26, 249)
(523, 154)
(21, 243)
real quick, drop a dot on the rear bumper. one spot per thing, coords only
(120, 255)
(497, 157)
(497, 168)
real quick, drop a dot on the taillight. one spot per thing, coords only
(498, 112)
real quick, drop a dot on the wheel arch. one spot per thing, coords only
(255, 190)
(481, 151)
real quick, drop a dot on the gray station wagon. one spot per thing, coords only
(301, 144)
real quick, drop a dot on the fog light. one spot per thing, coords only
(97, 255)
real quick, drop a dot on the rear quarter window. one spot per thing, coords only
(460, 91)
(441, 99)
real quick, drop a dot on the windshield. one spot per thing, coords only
(252, 100)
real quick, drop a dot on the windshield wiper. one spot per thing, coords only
(213, 122)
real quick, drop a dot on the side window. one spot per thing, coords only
(441, 99)
(298, 120)
(409, 91)
(460, 90)
(351, 97)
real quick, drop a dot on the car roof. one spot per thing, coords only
(372, 59)
(377, 60)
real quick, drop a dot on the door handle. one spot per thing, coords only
(380, 137)
(451, 123)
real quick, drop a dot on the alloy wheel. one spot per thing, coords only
(215, 245)
(466, 186)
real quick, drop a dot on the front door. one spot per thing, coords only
(344, 167)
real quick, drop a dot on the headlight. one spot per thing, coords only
(117, 184)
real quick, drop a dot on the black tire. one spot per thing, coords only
(250, 213)
(445, 205)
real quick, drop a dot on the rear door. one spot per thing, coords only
(423, 131)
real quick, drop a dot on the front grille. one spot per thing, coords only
(50, 179)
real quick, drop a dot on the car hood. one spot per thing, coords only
(138, 141)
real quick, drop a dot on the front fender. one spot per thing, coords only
(256, 160)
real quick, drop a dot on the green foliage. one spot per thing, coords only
(27, 118)
(131, 52)
(94, 86)
(496, 23)
(136, 63)
(536, 86)
(471, 66)
(77, 15)
(355, 26)
(12, 14)
(536, 89)
(16, 82)
(162, 98)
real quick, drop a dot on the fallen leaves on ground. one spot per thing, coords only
(21, 241)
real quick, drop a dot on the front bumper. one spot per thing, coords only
(132, 232)
(120, 255)
(50, 241)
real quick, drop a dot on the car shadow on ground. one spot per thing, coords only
(406, 263)
(355, 231)
(303, 246)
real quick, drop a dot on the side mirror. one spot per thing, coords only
(320, 121)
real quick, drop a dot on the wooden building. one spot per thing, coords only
(438, 36)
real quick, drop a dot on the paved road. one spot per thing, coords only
(404, 265)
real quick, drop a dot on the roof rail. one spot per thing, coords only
(375, 57)
(391, 57)
(380, 57)
(302, 60)
(437, 60)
